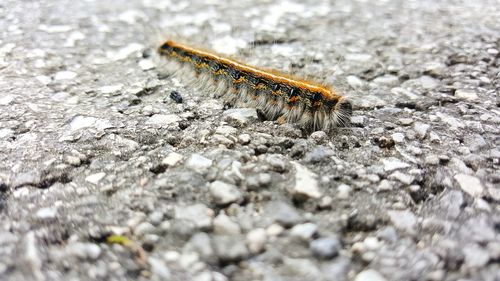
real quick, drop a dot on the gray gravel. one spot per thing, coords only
(105, 174)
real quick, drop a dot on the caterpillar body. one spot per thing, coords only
(278, 96)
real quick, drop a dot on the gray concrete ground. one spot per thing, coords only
(103, 176)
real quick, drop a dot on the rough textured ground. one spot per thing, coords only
(104, 176)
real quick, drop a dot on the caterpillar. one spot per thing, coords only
(276, 95)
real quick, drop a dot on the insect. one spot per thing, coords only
(278, 96)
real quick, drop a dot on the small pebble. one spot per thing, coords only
(435, 69)
(65, 75)
(325, 202)
(159, 268)
(429, 82)
(244, 138)
(160, 120)
(431, 159)
(277, 162)
(283, 213)
(385, 185)
(72, 160)
(326, 248)
(198, 213)
(225, 226)
(304, 231)
(274, 230)
(319, 154)
(475, 256)
(306, 183)
(200, 243)
(176, 96)
(172, 159)
(111, 89)
(354, 81)
(405, 121)
(198, 163)
(47, 213)
(369, 275)
(224, 193)
(229, 248)
(343, 191)
(398, 137)
(146, 64)
(358, 121)
(7, 99)
(402, 177)
(470, 184)
(319, 136)
(84, 250)
(386, 80)
(95, 178)
(404, 220)
(421, 129)
(241, 116)
(468, 95)
(301, 269)
(391, 164)
(144, 228)
(256, 240)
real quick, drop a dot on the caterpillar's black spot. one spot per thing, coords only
(344, 111)
(315, 97)
(258, 92)
(224, 67)
(331, 103)
(345, 107)
(194, 58)
(214, 66)
(285, 89)
(252, 80)
(293, 92)
(178, 51)
(263, 83)
(166, 47)
(275, 87)
(205, 60)
(233, 73)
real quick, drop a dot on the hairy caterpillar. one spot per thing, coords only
(311, 105)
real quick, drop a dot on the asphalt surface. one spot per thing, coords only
(106, 175)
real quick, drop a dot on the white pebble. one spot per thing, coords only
(6, 100)
(65, 75)
(369, 275)
(466, 95)
(95, 178)
(47, 213)
(172, 159)
(470, 184)
(398, 137)
(146, 64)
(343, 191)
(111, 89)
(304, 231)
(306, 182)
(125, 51)
(198, 163)
(224, 193)
(391, 164)
(354, 81)
(162, 119)
(256, 240)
